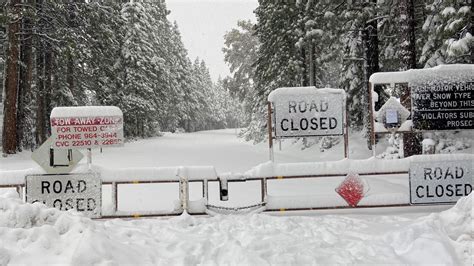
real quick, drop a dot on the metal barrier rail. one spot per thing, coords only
(184, 193)
(18, 187)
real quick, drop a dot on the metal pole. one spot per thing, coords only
(89, 158)
(346, 135)
(264, 189)
(114, 197)
(205, 190)
(19, 189)
(270, 131)
(183, 189)
(371, 110)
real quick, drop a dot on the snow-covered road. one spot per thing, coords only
(219, 148)
(32, 234)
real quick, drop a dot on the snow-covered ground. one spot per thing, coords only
(416, 235)
(32, 234)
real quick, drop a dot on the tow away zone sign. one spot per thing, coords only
(440, 182)
(86, 127)
(81, 192)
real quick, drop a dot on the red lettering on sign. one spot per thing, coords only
(61, 144)
(84, 121)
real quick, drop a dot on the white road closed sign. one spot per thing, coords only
(81, 192)
(440, 182)
(307, 111)
(86, 127)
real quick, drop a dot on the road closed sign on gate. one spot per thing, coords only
(86, 127)
(440, 181)
(81, 192)
(307, 111)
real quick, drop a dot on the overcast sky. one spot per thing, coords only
(203, 24)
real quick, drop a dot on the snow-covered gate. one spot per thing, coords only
(386, 180)
(201, 207)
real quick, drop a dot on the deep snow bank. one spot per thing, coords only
(33, 234)
(444, 238)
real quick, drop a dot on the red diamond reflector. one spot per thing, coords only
(351, 189)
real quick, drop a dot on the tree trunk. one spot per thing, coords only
(471, 29)
(371, 50)
(411, 141)
(40, 95)
(312, 73)
(70, 74)
(304, 72)
(9, 139)
(408, 27)
(26, 76)
(48, 88)
(71, 20)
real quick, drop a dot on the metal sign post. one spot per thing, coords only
(89, 158)
(346, 135)
(270, 131)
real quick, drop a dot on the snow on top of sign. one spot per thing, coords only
(86, 111)
(428, 142)
(300, 90)
(345, 166)
(158, 173)
(263, 170)
(393, 103)
(17, 177)
(453, 71)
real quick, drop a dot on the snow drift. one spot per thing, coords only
(34, 234)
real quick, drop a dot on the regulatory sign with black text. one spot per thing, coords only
(309, 114)
(443, 106)
(81, 192)
(440, 182)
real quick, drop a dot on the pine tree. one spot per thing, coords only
(25, 114)
(447, 33)
(278, 60)
(9, 138)
(241, 46)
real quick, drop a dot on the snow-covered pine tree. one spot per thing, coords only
(175, 114)
(137, 101)
(447, 33)
(278, 58)
(352, 76)
(241, 46)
